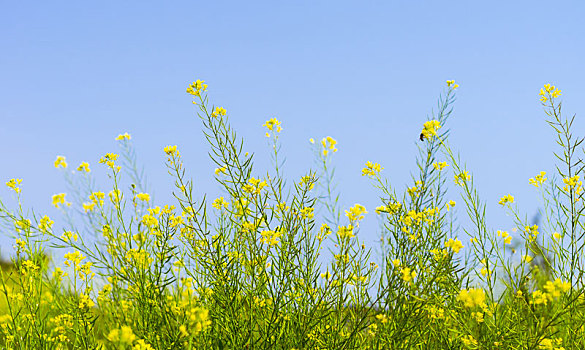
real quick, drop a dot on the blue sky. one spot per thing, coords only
(74, 75)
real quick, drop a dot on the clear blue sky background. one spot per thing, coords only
(74, 75)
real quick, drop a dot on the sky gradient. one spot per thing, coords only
(75, 75)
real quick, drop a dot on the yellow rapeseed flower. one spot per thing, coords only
(13, 184)
(440, 165)
(356, 212)
(371, 169)
(506, 199)
(273, 125)
(452, 83)
(196, 87)
(59, 199)
(171, 150)
(407, 274)
(84, 166)
(430, 129)
(538, 179)
(345, 232)
(472, 297)
(124, 136)
(454, 244)
(219, 111)
(60, 162)
(145, 197)
(462, 178)
(328, 144)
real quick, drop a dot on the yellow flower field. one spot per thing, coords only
(245, 270)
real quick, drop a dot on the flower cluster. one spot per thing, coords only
(272, 125)
(538, 179)
(472, 297)
(219, 111)
(452, 83)
(124, 136)
(454, 244)
(573, 183)
(60, 162)
(371, 169)
(328, 144)
(196, 87)
(506, 199)
(13, 184)
(462, 178)
(430, 129)
(506, 236)
(59, 199)
(84, 166)
(549, 92)
(356, 212)
(254, 186)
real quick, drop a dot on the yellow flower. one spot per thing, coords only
(538, 297)
(270, 237)
(45, 224)
(124, 136)
(171, 151)
(142, 345)
(538, 179)
(452, 83)
(254, 186)
(271, 124)
(307, 213)
(149, 221)
(196, 87)
(13, 183)
(573, 183)
(506, 236)
(145, 197)
(221, 170)
(60, 199)
(85, 302)
(407, 274)
(472, 297)
(67, 236)
(506, 199)
(450, 204)
(60, 162)
(532, 231)
(356, 212)
(549, 91)
(116, 196)
(328, 144)
(219, 203)
(462, 178)
(371, 169)
(74, 258)
(124, 335)
(454, 244)
(84, 166)
(219, 111)
(382, 318)
(430, 129)
(469, 341)
(109, 160)
(440, 165)
(345, 232)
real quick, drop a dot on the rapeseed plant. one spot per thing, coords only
(248, 272)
